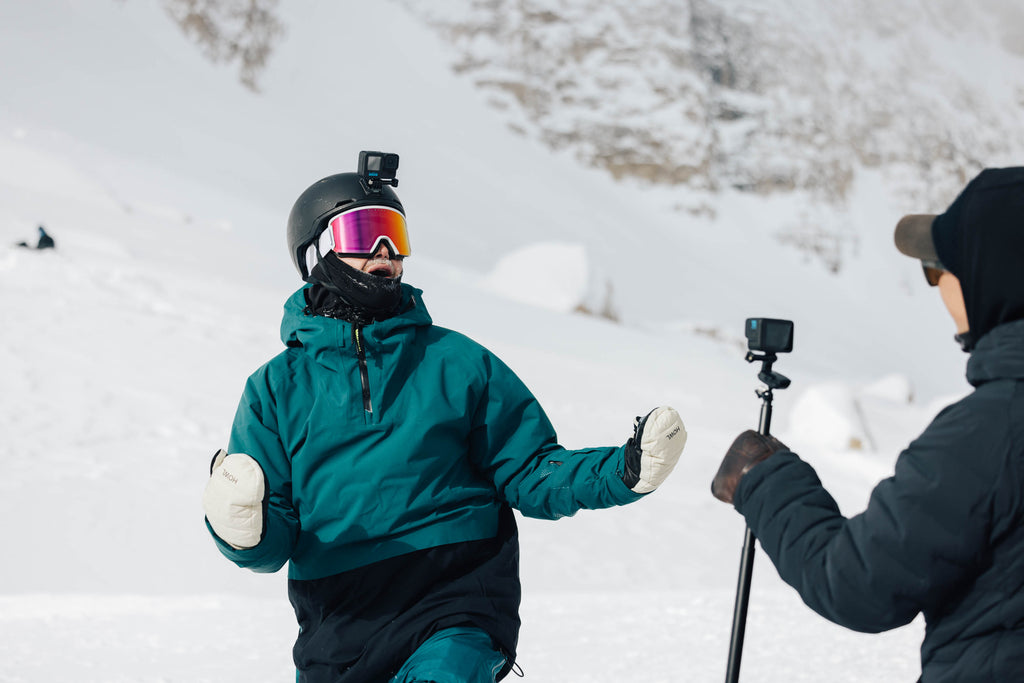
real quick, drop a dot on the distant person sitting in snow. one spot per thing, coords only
(45, 241)
(944, 536)
(381, 457)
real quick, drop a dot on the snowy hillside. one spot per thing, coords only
(123, 352)
(709, 93)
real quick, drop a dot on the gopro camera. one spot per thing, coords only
(377, 169)
(769, 335)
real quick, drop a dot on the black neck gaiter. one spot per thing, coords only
(359, 298)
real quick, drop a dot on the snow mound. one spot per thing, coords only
(828, 415)
(550, 275)
(877, 417)
(895, 387)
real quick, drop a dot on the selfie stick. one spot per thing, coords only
(739, 616)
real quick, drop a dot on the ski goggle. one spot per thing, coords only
(359, 232)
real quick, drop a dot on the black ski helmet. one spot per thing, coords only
(323, 199)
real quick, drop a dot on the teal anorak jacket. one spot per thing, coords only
(396, 437)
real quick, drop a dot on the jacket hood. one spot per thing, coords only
(315, 332)
(980, 239)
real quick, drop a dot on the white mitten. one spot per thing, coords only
(658, 440)
(233, 499)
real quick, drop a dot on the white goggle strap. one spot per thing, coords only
(316, 250)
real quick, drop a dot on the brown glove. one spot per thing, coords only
(747, 450)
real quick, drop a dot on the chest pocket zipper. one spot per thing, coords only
(364, 374)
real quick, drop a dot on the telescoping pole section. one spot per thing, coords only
(739, 615)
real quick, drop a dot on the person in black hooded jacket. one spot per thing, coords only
(944, 536)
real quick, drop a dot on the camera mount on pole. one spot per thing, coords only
(773, 379)
(769, 337)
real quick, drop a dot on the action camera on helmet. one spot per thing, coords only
(377, 169)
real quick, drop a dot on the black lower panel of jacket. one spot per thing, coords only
(361, 625)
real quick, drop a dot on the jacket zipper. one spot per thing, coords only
(364, 374)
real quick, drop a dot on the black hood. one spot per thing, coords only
(980, 239)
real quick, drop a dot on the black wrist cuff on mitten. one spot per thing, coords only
(631, 475)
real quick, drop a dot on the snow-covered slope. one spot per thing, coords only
(123, 352)
(122, 371)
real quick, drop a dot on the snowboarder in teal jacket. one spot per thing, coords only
(380, 456)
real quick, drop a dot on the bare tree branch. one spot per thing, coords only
(231, 31)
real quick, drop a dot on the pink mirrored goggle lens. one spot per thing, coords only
(360, 231)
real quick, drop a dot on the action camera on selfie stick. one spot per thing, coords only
(766, 337)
